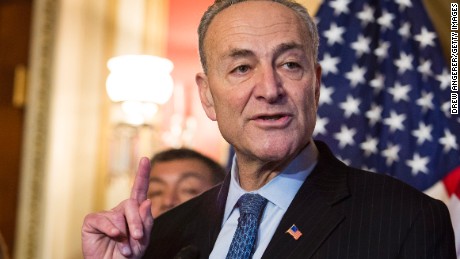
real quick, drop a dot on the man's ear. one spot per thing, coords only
(317, 83)
(206, 98)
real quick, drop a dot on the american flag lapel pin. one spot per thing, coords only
(294, 232)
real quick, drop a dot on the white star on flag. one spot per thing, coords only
(320, 127)
(350, 106)
(377, 83)
(403, 4)
(391, 154)
(425, 68)
(369, 146)
(334, 34)
(382, 50)
(356, 75)
(418, 164)
(345, 136)
(423, 133)
(374, 114)
(395, 121)
(366, 15)
(329, 64)
(425, 38)
(404, 63)
(404, 31)
(425, 101)
(444, 79)
(449, 141)
(325, 96)
(340, 6)
(400, 92)
(386, 20)
(361, 45)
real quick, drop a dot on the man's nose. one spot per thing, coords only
(269, 86)
(169, 201)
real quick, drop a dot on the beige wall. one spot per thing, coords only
(63, 124)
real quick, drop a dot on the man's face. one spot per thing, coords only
(262, 84)
(174, 182)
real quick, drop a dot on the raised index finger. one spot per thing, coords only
(141, 182)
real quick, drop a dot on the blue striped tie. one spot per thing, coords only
(251, 207)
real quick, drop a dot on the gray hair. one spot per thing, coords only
(220, 5)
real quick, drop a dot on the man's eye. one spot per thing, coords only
(154, 194)
(292, 65)
(190, 191)
(241, 69)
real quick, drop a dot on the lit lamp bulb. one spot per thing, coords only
(140, 83)
(140, 78)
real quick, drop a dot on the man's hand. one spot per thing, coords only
(124, 231)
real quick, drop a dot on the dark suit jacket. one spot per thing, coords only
(342, 212)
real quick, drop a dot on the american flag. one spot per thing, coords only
(385, 93)
(294, 232)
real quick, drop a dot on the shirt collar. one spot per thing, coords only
(280, 190)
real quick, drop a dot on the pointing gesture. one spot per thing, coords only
(124, 231)
(141, 182)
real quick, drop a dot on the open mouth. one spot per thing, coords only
(271, 118)
(280, 120)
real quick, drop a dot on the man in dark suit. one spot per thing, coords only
(287, 196)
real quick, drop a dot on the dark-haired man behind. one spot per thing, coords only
(177, 175)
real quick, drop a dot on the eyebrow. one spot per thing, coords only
(284, 47)
(240, 53)
(280, 49)
(192, 174)
(154, 179)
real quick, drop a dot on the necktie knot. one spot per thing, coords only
(251, 203)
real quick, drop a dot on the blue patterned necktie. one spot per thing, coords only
(251, 207)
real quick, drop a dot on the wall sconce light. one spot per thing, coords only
(137, 85)
(139, 82)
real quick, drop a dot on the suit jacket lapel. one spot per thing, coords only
(312, 210)
(215, 215)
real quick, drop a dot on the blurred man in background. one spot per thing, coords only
(178, 175)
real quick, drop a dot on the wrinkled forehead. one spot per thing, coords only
(253, 17)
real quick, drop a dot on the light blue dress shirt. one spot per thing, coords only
(279, 192)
